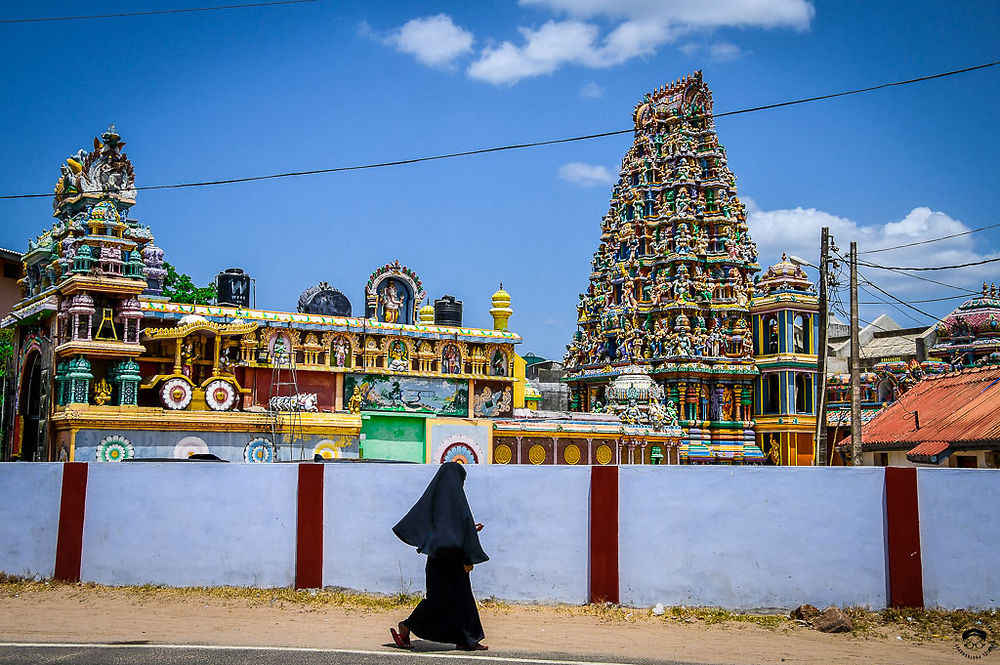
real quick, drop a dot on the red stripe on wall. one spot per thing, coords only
(72, 505)
(309, 528)
(604, 534)
(902, 520)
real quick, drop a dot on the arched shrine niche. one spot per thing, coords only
(393, 294)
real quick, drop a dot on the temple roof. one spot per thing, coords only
(784, 276)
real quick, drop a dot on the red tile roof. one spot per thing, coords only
(961, 407)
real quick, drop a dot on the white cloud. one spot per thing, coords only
(639, 27)
(587, 175)
(725, 52)
(433, 40)
(797, 232)
(592, 91)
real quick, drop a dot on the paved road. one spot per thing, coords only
(149, 654)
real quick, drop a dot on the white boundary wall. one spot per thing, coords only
(751, 537)
(190, 524)
(30, 495)
(960, 536)
(536, 527)
(737, 537)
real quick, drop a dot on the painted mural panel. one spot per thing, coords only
(466, 442)
(381, 392)
(493, 399)
(251, 447)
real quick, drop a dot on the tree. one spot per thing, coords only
(179, 288)
(6, 350)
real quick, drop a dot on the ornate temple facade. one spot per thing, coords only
(108, 369)
(784, 320)
(970, 335)
(672, 280)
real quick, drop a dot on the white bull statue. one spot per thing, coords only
(299, 402)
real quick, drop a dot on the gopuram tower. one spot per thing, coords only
(671, 281)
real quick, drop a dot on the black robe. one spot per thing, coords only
(441, 526)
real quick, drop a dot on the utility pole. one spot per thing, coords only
(855, 363)
(820, 456)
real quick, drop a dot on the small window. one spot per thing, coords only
(11, 270)
(773, 394)
(881, 459)
(966, 462)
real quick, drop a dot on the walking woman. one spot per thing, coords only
(440, 525)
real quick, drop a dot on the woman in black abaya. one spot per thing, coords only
(440, 525)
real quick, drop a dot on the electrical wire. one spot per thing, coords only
(893, 305)
(924, 268)
(899, 300)
(920, 277)
(882, 302)
(926, 242)
(518, 146)
(152, 12)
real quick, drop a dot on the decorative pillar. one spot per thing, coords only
(737, 402)
(126, 379)
(178, 343)
(78, 378)
(682, 401)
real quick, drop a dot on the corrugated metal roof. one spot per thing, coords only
(929, 452)
(953, 408)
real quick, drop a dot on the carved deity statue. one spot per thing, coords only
(392, 300)
(188, 356)
(340, 352)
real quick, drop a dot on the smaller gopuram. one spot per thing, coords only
(671, 280)
(970, 335)
(783, 311)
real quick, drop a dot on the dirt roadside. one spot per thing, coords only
(39, 613)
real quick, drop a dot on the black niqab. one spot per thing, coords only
(441, 519)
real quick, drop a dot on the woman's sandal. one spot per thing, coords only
(398, 639)
(472, 647)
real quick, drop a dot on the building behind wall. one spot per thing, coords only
(108, 369)
(783, 312)
(10, 273)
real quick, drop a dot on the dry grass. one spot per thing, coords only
(918, 625)
(923, 624)
(707, 615)
(12, 586)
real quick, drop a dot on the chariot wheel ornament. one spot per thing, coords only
(220, 395)
(175, 394)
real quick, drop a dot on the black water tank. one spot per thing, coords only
(233, 288)
(448, 311)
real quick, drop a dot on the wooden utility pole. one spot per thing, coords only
(820, 456)
(855, 363)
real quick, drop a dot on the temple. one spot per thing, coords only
(106, 368)
(672, 281)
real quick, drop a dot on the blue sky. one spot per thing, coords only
(223, 94)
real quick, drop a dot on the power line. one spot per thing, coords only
(152, 12)
(518, 146)
(882, 302)
(893, 305)
(925, 242)
(958, 265)
(924, 279)
(900, 301)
